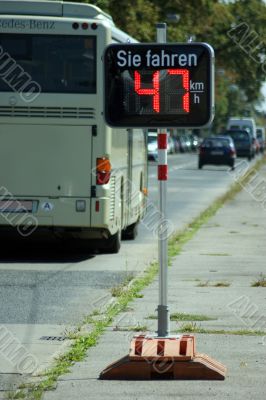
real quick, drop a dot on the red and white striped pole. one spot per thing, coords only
(162, 155)
(163, 312)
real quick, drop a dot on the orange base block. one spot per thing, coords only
(164, 358)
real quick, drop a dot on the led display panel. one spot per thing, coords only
(159, 85)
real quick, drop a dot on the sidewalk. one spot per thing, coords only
(229, 250)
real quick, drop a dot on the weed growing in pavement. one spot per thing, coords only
(117, 291)
(190, 317)
(192, 327)
(152, 317)
(261, 282)
(189, 327)
(95, 313)
(214, 225)
(222, 284)
(136, 328)
(203, 284)
(216, 254)
(213, 284)
(15, 395)
(185, 317)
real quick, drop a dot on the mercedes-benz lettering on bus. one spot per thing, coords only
(61, 166)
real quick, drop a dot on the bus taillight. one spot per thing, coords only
(103, 170)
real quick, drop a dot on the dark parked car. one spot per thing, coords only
(243, 142)
(261, 137)
(183, 144)
(217, 150)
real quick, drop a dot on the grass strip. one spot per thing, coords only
(82, 343)
(177, 316)
(194, 328)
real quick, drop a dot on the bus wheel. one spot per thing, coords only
(113, 244)
(131, 232)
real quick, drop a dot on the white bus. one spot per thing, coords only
(61, 167)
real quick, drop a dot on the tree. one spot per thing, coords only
(136, 17)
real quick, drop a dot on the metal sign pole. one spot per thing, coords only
(169, 68)
(163, 312)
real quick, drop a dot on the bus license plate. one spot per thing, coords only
(15, 206)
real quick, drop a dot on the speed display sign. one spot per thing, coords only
(159, 85)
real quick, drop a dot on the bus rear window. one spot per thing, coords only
(58, 63)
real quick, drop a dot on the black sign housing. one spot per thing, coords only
(159, 85)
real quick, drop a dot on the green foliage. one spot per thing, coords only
(137, 17)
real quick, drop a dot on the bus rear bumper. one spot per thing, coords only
(68, 216)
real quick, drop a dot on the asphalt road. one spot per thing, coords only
(47, 289)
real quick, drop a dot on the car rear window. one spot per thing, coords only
(239, 135)
(216, 143)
